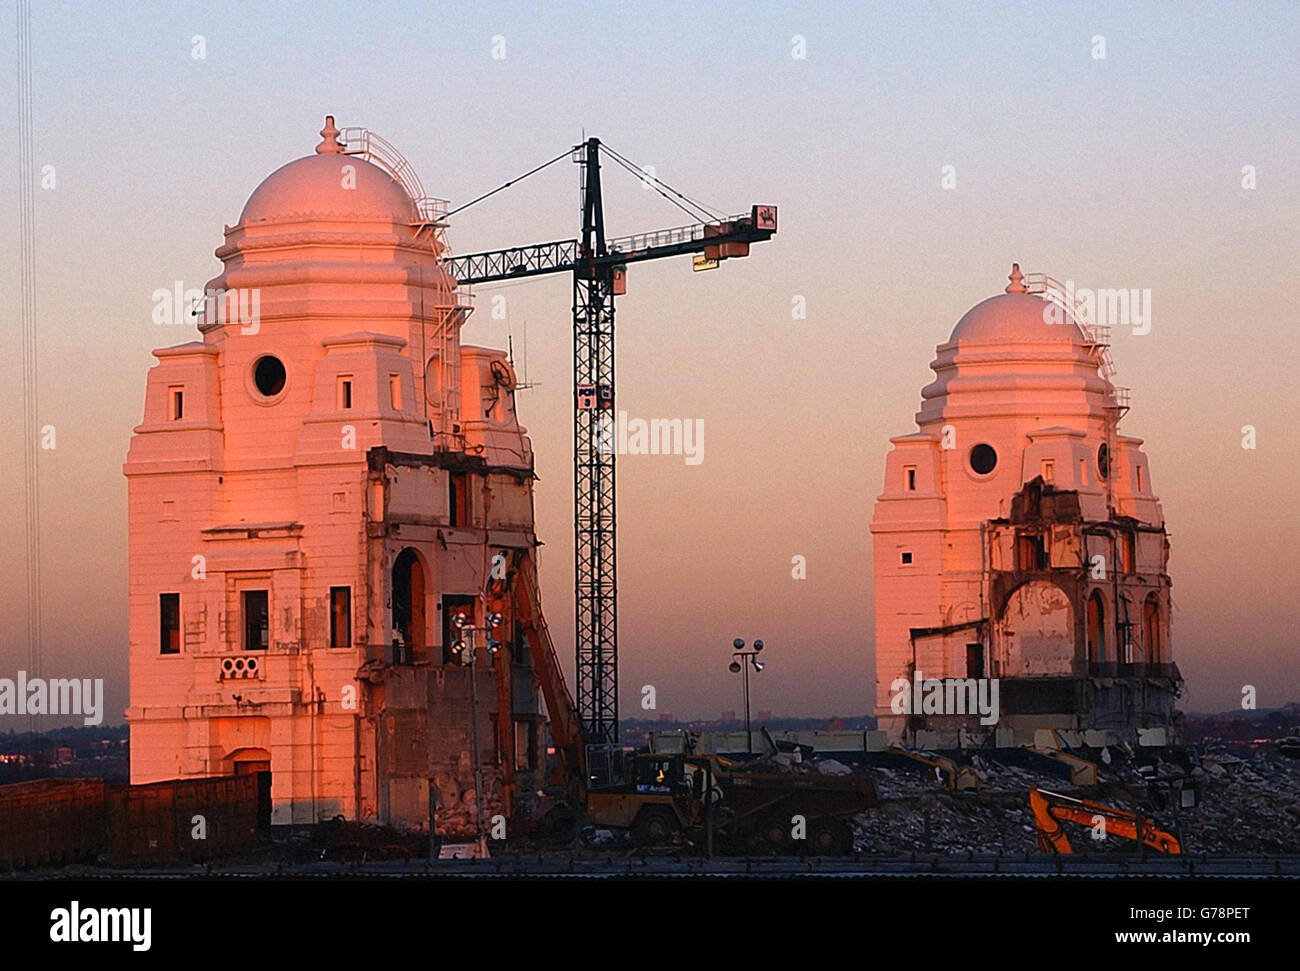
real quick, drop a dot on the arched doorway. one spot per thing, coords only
(1151, 630)
(408, 607)
(1096, 629)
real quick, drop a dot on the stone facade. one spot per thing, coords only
(316, 489)
(1018, 538)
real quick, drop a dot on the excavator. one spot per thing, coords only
(653, 796)
(657, 796)
(1051, 809)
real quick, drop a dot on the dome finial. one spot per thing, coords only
(1016, 285)
(330, 144)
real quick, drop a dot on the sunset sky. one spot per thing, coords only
(1125, 171)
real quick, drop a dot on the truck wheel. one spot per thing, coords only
(654, 826)
(775, 836)
(831, 837)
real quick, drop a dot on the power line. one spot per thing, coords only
(27, 232)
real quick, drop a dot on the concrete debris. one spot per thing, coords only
(1245, 806)
(347, 840)
(831, 767)
(942, 823)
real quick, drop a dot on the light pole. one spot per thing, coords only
(739, 666)
(467, 649)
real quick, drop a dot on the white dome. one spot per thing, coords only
(1014, 318)
(320, 185)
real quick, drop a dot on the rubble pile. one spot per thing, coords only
(944, 823)
(345, 840)
(1245, 806)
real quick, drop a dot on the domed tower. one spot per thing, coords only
(1018, 539)
(319, 485)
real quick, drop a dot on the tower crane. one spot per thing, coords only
(598, 265)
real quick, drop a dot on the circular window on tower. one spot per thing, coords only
(268, 376)
(983, 459)
(1103, 460)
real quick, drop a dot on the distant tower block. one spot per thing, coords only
(1018, 537)
(320, 483)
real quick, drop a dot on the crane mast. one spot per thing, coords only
(594, 548)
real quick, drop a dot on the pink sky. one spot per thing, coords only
(1122, 172)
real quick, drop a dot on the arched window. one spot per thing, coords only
(1096, 629)
(1152, 630)
(408, 608)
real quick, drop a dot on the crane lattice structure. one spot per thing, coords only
(598, 265)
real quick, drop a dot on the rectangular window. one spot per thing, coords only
(1083, 473)
(1049, 470)
(1031, 552)
(905, 558)
(340, 616)
(974, 660)
(169, 623)
(909, 473)
(458, 498)
(345, 393)
(257, 620)
(177, 406)
(395, 391)
(1127, 553)
(1141, 484)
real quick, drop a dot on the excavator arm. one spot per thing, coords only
(1051, 809)
(566, 728)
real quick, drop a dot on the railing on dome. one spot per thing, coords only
(431, 210)
(374, 148)
(432, 214)
(1097, 335)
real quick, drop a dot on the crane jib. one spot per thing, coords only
(562, 256)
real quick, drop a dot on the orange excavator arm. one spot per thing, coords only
(1051, 809)
(566, 728)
